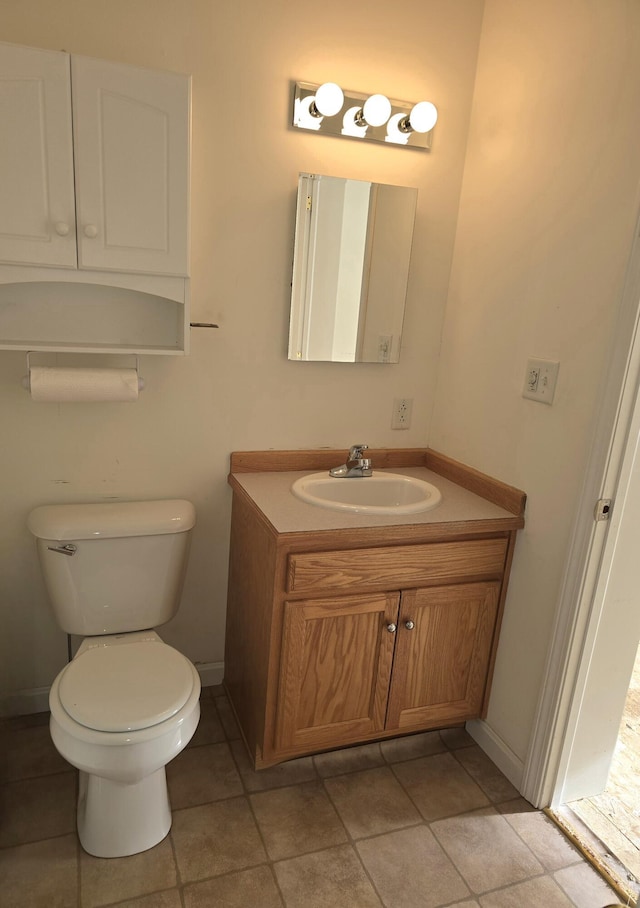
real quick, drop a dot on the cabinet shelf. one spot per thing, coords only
(85, 317)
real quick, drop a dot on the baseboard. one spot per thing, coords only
(498, 751)
(36, 700)
(25, 702)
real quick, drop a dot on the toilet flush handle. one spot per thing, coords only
(68, 549)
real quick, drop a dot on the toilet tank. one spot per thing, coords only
(113, 567)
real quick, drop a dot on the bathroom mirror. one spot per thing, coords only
(350, 269)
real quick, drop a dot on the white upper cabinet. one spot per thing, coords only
(129, 156)
(94, 205)
(131, 129)
(37, 202)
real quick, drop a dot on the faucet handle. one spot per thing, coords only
(356, 451)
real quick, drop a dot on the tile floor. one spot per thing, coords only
(418, 822)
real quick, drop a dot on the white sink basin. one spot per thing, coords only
(382, 493)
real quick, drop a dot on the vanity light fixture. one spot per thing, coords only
(328, 109)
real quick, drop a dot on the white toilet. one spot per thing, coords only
(127, 703)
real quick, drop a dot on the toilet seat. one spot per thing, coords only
(126, 686)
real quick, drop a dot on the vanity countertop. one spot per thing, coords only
(270, 491)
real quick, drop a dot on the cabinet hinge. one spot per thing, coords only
(603, 509)
(308, 203)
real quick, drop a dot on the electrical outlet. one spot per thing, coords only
(540, 380)
(401, 416)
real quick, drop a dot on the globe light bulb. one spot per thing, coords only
(423, 116)
(329, 99)
(376, 110)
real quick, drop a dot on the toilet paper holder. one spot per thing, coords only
(26, 381)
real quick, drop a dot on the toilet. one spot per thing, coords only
(127, 703)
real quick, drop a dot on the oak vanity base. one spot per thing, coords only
(369, 629)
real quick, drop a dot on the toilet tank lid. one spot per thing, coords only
(110, 520)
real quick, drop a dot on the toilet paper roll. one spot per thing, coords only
(74, 384)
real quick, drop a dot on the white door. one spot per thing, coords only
(37, 209)
(131, 137)
(598, 624)
(610, 646)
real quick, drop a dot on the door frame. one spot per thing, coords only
(547, 768)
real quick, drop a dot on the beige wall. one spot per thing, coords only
(545, 227)
(237, 390)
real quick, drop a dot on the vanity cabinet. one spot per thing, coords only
(94, 194)
(357, 633)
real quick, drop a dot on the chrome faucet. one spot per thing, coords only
(356, 464)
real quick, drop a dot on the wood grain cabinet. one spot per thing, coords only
(337, 656)
(355, 667)
(329, 645)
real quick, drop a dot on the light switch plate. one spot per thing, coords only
(540, 380)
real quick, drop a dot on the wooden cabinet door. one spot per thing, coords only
(441, 663)
(131, 134)
(37, 208)
(335, 670)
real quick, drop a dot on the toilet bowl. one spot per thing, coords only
(127, 703)
(120, 711)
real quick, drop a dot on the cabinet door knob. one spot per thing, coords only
(409, 625)
(61, 228)
(91, 231)
(391, 628)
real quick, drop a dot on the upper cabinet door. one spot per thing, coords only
(131, 136)
(37, 211)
